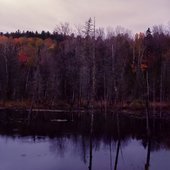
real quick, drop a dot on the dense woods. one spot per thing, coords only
(92, 66)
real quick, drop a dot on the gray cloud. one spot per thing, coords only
(46, 14)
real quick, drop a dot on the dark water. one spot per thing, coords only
(79, 141)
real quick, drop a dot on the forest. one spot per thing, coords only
(84, 69)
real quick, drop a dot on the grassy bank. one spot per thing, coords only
(134, 105)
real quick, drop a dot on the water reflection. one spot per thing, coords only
(118, 143)
(91, 141)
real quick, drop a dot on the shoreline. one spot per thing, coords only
(64, 107)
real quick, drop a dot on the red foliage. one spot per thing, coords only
(144, 67)
(23, 57)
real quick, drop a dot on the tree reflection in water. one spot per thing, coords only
(118, 143)
(91, 142)
(89, 133)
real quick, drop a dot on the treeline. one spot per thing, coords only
(86, 68)
(30, 34)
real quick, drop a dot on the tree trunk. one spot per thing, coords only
(7, 77)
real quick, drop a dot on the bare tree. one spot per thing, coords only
(63, 29)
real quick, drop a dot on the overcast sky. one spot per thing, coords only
(136, 15)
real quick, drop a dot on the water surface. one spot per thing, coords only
(81, 143)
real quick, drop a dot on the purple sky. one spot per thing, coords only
(136, 15)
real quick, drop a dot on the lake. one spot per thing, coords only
(80, 141)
